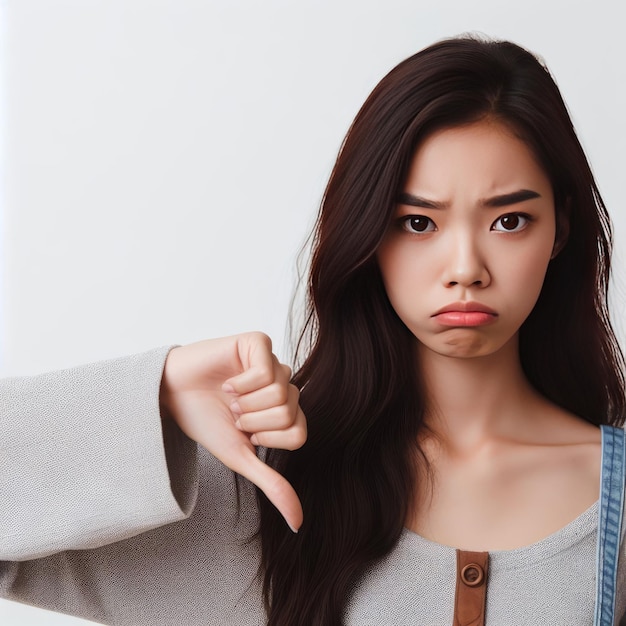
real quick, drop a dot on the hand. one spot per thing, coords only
(230, 395)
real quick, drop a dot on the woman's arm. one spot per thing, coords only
(82, 458)
(87, 458)
(94, 467)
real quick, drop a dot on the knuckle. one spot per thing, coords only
(297, 438)
(261, 337)
(294, 393)
(284, 416)
(280, 394)
(265, 376)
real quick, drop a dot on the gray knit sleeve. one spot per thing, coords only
(85, 459)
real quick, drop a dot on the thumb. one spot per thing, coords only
(276, 487)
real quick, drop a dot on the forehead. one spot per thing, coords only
(480, 159)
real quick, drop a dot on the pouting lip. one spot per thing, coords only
(466, 307)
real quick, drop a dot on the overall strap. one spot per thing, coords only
(609, 523)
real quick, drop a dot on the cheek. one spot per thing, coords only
(399, 270)
(406, 281)
(523, 276)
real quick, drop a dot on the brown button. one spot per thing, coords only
(471, 588)
(472, 575)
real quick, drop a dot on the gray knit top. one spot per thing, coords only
(94, 522)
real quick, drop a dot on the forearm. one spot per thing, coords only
(82, 460)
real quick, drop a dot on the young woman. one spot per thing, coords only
(457, 363)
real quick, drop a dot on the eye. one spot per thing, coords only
(511, 222)
(417, 224)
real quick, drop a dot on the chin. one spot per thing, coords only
(462, 345)
(464, 352)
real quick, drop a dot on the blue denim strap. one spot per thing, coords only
(610, 522)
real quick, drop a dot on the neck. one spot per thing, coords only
(473, 400)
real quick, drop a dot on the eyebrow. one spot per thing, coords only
(506, 199)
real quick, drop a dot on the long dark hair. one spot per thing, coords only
(360, 388)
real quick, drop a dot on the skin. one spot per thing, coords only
(231, 395)
(499, 451)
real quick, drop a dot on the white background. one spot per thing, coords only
(162, 160)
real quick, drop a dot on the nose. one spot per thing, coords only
(465, 265)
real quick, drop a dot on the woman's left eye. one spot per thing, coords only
(511, 222)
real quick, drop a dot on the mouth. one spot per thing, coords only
(465, 314)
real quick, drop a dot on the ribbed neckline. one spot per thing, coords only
(575, 531)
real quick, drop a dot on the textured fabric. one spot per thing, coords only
(82, 458)
(611, 510)
(98, 520)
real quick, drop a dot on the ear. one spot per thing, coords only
(562, 227)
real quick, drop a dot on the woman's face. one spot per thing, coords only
(473, 233)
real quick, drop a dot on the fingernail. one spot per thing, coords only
(254, 441)
(238, 424)
(227, 388)
(235, 408)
